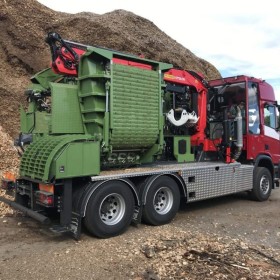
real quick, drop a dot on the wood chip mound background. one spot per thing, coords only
(9, 161)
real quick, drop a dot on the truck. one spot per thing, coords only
(110, 139)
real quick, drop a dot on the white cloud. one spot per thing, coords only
(240, 37)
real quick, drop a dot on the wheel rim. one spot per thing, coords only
(264, 184)
(163, 200)
(112, 209)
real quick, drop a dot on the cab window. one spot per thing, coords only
(253, 109)
(270, 116)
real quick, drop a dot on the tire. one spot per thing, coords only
(109, 210)
(162, 202)
(262, 184)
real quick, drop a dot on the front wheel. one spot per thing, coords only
(262, 184)
(110, 210)
(162, 201)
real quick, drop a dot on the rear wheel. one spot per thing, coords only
(162, 202)
(109, 210)
(262, 184)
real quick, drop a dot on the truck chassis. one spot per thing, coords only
(109, 202)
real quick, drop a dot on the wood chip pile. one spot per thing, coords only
(24, 52)
(9, 161)
(203, 256)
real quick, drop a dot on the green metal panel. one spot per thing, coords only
(100, 52)
(134, 107)
(42, 122)
(76, 160)
(187, 155)
(92, 92)
(27, 121)
(43, 78)
(36, 160)
(96, 77)
(109, 54)
(66, 114)
(121, 104)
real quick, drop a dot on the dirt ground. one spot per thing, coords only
(245, 235)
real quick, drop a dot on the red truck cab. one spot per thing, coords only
(261, 137)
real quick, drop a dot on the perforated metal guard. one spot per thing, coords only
(135, 104)
(203, 180)
(35, 157)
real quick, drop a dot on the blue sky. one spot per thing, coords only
(238, 37)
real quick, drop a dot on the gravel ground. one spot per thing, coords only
(224, 238)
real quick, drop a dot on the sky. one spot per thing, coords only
(237, 37)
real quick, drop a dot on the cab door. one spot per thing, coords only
(254, 137)
(263, 137)
(271, 135)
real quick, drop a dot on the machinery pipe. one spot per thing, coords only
(239, 140)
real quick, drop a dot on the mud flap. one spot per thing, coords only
(75, 226)
(74, 229)
(137, 215)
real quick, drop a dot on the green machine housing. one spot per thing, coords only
(109, 115)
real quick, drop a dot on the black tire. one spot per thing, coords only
(262, 184)
(162, 201)
(109, 210)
